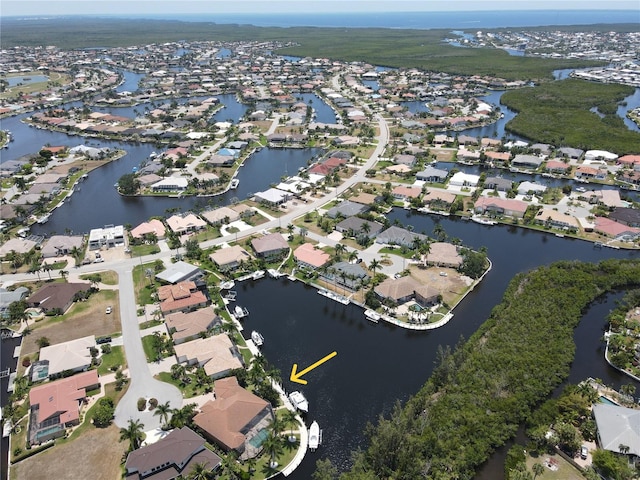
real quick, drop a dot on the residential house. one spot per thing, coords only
(501, 158)
(591, 155)
(556, 166)
(403, 159)
(499, 184)
(186, 222)
(364, 198)
(628, 216)
(185, 326)
(230, 258)
(217, 354)
(586, 172)
(527, 161)
(7, 297)
(617, 230)
(310, 257)
(555, 219)
(618, 426)
(500, 206)
(272, 196)
(271, 246)
(170, 458)
(220, 215)
(571, 153)
(350, 276)
(179, 272)
(528, 188)
(346, 209)
(439, 201)
(67, 357)
(58, 245)
(234, 418)
(432, 175)
(17, 245)
(406, 193)
(154, 226)
(181, 297)
(54, 406)
(461, 179)
(109, 236)
(56, 296)
(399, 236)
(403, 289)
(356, 227)
(443, 255)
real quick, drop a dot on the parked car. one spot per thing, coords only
(109, 310)
(98, 260)
(584, 451)
(102, 340)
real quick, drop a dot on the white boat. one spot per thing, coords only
(372, 315)
(334, 296)
(315, 436)
(240, 312)
(581, 189)
(227, 285)
(273, 273)
(230, 296)
(234, 184)
(483, 221)
(258, 274)
(299, 401)
(257, 338)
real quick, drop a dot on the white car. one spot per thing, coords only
(108, 310)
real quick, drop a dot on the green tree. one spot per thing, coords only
(133, 433)
(325, 470)
(163, 410)
(103, 413)
(200, 471)
(128, 184)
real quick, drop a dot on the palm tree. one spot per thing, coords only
(163, 410)
(200, 471)
(375, 264)
(229, 465)
(290, 420)
(177, 371)
(47, 268)
(273, 446)
(537, 469)
(133, 433)
(76, 253)
(365, 228)
(63, 274)
(353, 255)
(340, 249)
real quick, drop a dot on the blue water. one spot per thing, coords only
(417, 20)
(607, 401)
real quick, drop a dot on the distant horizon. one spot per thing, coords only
(39, 8)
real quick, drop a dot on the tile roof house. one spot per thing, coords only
(56, 405)
(154, 226)
(71, 356)
(347, 209)
(58, 245)
(399, 236)
(185, 326)
(628, 216)
(187, 222)
(403, 289)
(270, 246)
(553, 218)
(220, 215)
(307, 255)
(217, 354)
(230, 258)
(614, 229)
(498, 183)
(56, 296)
(171, 457)
(443, 254)
(432, 175)
(234, 418)
(354, 275)
(501, 206)
(403, 192)
(618, 426)
(181, 297)
(355, 226)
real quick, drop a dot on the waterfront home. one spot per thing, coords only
(557, 166)
(56, 297)
(109, 236)
(17, 245)
(58, 245)
(181, 297)
(217, 354)
(395, 235)
(443, 254)
(54, 406)
(272, 197)
(541, 149)
(528, 188)
(500, 206)
(221, 160)
(185, 326)
(220, 215)
(179, 272)
(154, 226)
(628, 216)
(461, 179)
(174, 456)
(570, 153)
(356, 227)
(468, 155)
(607, 197)
(586, 172)
(632, 161)
(346, 209)
(618, 426)
(437, 200)
(270, 247)
(500, 158)
(310, 257)
(229, 258)
(364, 198)
(631, 177)
(185, 222)
(432, 175)
(403, 159)
(234, 418)
(617, 230)
(553, 218)
(68, 357)
(403, 289)
(406, 193)
(171, 184)
(350, 276)
(591, 155)
(499, 184)
(527, 161)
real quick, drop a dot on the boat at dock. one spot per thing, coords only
(257, 338)
(230, 296)
(258, 274)
(483, 221)
(372, 315)
(240, 312)
(227, 285)
(234, 184)
(299, 401)
(44, 218)
(334, 296)
(315, 436)
(273, 273)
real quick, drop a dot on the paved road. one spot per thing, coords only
(142, 383)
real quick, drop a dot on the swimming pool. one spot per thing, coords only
(259, 438)
(607, 401)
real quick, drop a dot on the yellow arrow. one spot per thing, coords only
(295, 375)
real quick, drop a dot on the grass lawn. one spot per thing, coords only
(108, 278)
(139, 250)
(188, 389)
(565, 470)
(141, 283)
(113, 359)
(81, 320)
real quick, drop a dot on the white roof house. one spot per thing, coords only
(109, 235)
(273, 196)
(618, 426)
(171, 184)
(526, 187)
(74, 355)
(461, 179)
(599, 154)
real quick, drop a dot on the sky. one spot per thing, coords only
(158, 7)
